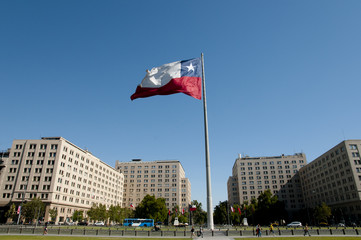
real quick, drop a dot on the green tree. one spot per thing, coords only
(97, 213)
(92, 213)
(53, 213)
(78, 216)
(11, 213)
(127, 213)
(235, 217)
(115, 213)
(265, 204)
(322, 212)
(33, 209)
(183, 218)
(199, 216)
(153, 208)
(221, 213)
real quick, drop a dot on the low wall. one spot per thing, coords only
(86, 231)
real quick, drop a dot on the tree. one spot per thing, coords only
(115, 213)
(199, 216)
(11, 213)
(183, 218)
(265, 205)
(33, 210)
(235, 217)
(98, 212)
(53, 213)
(221, 213)
(78, 216)
(152, 208)
(322, 212)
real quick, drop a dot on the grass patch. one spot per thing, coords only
(304, 238)
(27, 237)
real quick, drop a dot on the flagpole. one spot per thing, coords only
(208, 164)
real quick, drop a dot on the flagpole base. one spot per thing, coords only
(245, 223)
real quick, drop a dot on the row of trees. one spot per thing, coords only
(150, 207)
(263, 210)
(267, 209)
(30, 211)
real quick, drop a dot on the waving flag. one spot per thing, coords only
(131, 205)
(192, 208)
(239, 210)
(177, 77)
(232, 209)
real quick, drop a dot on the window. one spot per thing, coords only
(353, 147)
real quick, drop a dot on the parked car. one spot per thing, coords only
(341, 225)
(82, 224)
(294, 224)
(69, 223)
(99, 223)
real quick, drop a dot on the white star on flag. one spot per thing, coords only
(190, 67)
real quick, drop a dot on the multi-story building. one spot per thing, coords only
(253, 175)
(232, 187)
(164, 179)
(64, 176)
(335, 178)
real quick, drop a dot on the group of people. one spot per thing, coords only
(271, 231)
(258, 231)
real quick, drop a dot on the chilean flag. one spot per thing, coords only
(177, 77)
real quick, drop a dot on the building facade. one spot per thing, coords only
(64, 176)
(335, 178)
(164, 179)
(253, 175)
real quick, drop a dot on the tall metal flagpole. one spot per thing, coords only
(208, 164)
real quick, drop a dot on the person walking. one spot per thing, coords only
(192, 232)
(46, 228)
(306, 231)
(259, 231)
(271, 230)
(201, 231)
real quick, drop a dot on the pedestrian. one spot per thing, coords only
(201, 231)
(271, 231)
(46, 228)
(259, 231)
(192, 232)
(306, 231)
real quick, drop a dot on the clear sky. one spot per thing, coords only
(282, 77)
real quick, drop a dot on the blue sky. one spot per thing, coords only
(282, 77)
